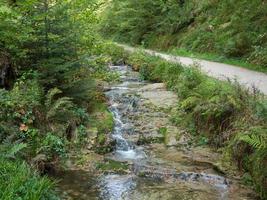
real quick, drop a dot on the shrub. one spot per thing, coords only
(53, 145)
(115, 53)
(259, 56)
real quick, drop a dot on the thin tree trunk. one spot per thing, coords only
(46, 23)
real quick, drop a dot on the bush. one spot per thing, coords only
(115, 53)
(259, 56)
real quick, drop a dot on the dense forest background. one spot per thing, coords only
(228, 29)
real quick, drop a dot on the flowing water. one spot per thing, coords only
(150, 177)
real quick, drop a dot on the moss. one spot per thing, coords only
(101, 139)
(164, 132)
(150, 140)
(141, 174)
(102, 118)
(111, 165)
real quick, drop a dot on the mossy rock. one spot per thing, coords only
(150, 140)
(104, 149)
(112, 166)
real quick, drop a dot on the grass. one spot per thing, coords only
(217, 58)
(18, 181)
(210, 57)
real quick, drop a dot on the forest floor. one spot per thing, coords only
(249, 78)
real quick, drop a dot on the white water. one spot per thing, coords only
(114, 186)
(125, 150)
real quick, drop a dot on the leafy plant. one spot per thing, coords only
(53, 145)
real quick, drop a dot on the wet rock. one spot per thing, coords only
(105, 148)
(153, 87)
(149, 140)
(148, 190)
(166, 174)
(158, 95)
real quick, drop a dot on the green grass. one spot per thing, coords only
(208, 56)
(19, 182)
(216, 58)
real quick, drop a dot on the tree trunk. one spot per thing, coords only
(7, 73)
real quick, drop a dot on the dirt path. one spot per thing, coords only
(217, 70)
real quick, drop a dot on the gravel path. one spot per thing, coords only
(217, 70)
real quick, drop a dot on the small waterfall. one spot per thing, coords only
(125, 150)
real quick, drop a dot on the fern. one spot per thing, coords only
(61, 107)
(10, 151)
(255, 137)
(256, 141)
(16, 148)
(51, 95)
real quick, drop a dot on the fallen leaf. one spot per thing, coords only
(23, 127)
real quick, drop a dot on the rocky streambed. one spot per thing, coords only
(154, 157)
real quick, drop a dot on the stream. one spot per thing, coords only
(156, 172)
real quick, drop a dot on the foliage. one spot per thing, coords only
(12, 151)
(227, 28)
(116, 53)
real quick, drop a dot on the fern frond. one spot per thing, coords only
(60, 106)
(50, 95)
(256, 141)
(12, 151)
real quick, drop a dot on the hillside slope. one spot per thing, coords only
(228, 28)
